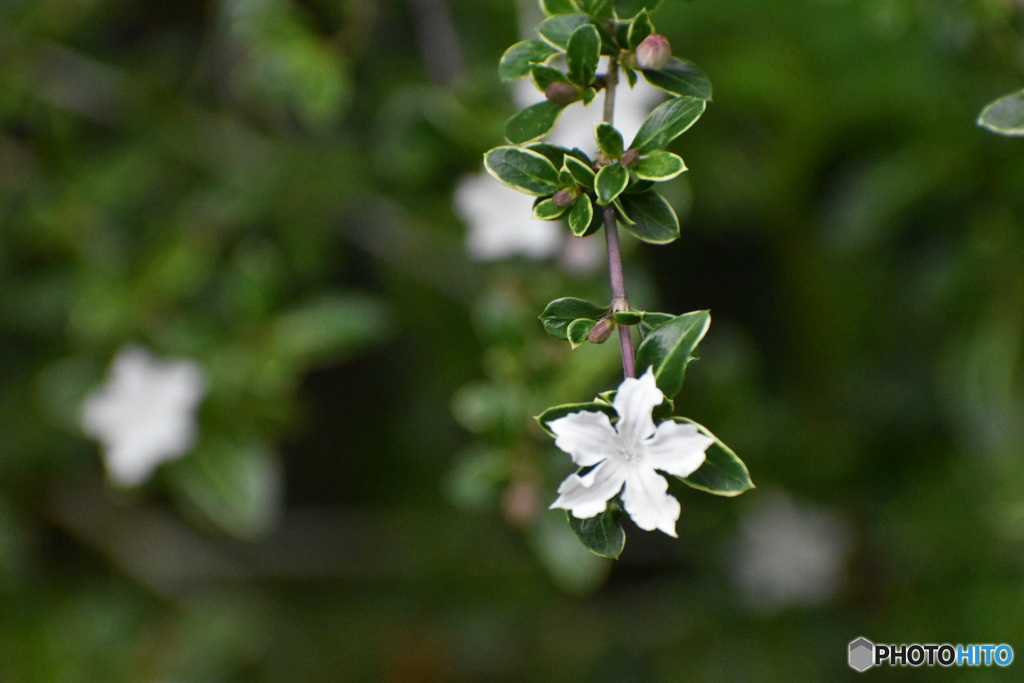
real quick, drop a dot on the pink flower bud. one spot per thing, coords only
(562, 93)
(653, 52)
(600, 332)
(564, 197)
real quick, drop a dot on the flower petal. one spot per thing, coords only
(588, 495)
(588, 436)
(634, 402)
(647, 501)
(677, 448)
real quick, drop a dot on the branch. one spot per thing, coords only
(611, 234)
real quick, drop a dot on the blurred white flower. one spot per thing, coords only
(575, 127)
(145, 413)
(787, 553)
(625, 456)
(501, 223)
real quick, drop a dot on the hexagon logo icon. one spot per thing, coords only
(862, 654)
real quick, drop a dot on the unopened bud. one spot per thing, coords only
(629, 157)
(562, 93)
(564, 197)
(653, 52)
(600, 332)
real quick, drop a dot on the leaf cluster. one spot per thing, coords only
(563, 63)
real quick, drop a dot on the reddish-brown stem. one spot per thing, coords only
(611, 234)
(618, 286)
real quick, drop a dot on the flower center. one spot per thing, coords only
(631, 452)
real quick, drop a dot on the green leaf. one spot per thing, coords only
(523, 170)
(653, 219)
(622, 33)
(596, 221)
(722, 473)
(544, 75)
(680, 77)
(552, 7)
(556, 412)
(581, 216)
(581, 155)
(602, 10)
(669, 348)
(626, 9)
(630, 77)
(582, 54)
(565, 178)
(558, 314)
(639, 28)
(611, 180)
(554, 153)
(667, 122)
(620, 213)
(652, 321)
(588, 95)
(1005, 115)
(658, 166)
(578, 330)
(518, 58)
(609, 140)
(627, 317)
(601, 535)
(640, 186)
(546, 210)
(236, 485)
(581, 172)
(533, 122)
(557, 30)
(327, 328)
(657, 319)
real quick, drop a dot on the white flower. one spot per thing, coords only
(500, 221)
(789, 553)
(624, 456)
(145, 414)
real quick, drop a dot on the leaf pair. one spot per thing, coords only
(571, 319)
(668, 347)
(532, 172)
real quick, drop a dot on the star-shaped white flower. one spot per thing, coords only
(145, 414)
(624, 457)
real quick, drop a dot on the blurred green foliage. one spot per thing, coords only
(265, 186)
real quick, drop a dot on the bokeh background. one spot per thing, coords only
(267, 187)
